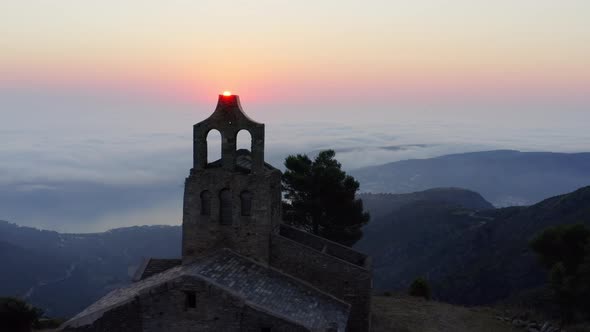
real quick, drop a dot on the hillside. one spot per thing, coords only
(22, 268)
(63, 273)
(503, 177)
(504, 264)
(410, 241)
(407, 230)
(381, 204)
(411, 314)
(471, 254)
(470, 257)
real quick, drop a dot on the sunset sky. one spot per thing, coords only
(105, 92)
(303, 51)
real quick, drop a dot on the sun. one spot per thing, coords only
(227, 93)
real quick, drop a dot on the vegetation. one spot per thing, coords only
(49, 323)
(62, 268)
(565, 251)
(420, 288)
(17, 315)
(471, 257)
(321, 198)
(404, 313)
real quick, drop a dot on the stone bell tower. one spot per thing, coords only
(234, 202)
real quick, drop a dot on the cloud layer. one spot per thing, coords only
(84, 162)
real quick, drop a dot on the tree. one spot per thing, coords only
(17, 315)
(420, 288)
(565, 251)
(321, 198)
(564, 243)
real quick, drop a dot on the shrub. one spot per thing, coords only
(49, 323)
(420, 288)
(17, 315)
(565, 251)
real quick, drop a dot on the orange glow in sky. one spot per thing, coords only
(425, 50)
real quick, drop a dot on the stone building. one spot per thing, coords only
(241, 268)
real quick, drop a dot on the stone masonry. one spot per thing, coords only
(246, 180)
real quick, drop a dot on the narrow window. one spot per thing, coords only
(246, 198)
(206, 203)
(225, 208)
(191, 299)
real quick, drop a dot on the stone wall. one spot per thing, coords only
(321, 244)
(165, 309)
(247, 235)
(341, 278)
(215, 310)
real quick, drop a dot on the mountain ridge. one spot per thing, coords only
(470, 253)
(503, 177)
(77, 269)
(471, 257)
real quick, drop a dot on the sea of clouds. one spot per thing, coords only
(84, 163)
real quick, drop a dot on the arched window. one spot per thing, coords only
(225, 207)
(206, 203)
(246, 198)
(213, 145)
(244, 140)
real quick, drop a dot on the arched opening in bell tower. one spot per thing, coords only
(244, 140)
(213, 139)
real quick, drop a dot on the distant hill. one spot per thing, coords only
(22, 268)
(410, 241)
(63, 273)
(470, 252)
(409, 211)
(382, 204)
(503, 177)
(470, 256)
(504, 264)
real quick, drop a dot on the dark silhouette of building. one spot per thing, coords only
(241, 268)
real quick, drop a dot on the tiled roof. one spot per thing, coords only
(122, 296)
(274, 291)
(261, 287)
(243, 162)
(155, 265)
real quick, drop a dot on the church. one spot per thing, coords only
(241, 268)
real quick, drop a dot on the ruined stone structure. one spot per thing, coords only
(241, 268)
